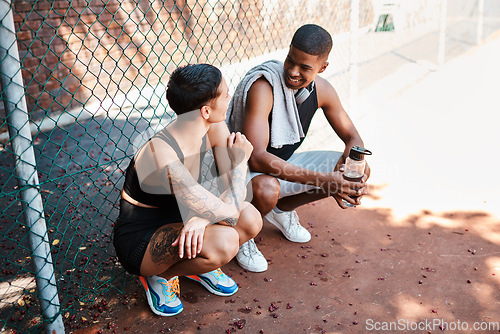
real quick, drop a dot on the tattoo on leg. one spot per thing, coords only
(161, 244)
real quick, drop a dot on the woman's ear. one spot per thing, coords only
(205, 112)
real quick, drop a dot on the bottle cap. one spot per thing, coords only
(358, 153)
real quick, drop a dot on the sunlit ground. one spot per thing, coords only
(434, 135)
(436, 146)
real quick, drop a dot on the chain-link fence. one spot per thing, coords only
(92, 89)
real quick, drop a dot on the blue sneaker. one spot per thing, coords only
(162, 295)
(216, 282)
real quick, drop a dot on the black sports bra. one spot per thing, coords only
(133, 188)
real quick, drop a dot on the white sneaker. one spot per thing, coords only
(289, 225)
(250, 258)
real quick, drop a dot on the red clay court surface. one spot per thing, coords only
(420, 253)
(359, 269)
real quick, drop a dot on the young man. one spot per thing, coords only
(273, 106)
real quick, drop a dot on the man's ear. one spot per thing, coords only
(323, 67)
(205, 112)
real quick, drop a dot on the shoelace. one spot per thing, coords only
(218, 273)
(172, 288)
(294, 218)
(251, 247)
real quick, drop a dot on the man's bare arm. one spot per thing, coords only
(329, 101)
(256, 128)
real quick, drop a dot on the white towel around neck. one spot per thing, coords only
(285, 121)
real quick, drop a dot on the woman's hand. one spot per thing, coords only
(239, 147)
(191, 237)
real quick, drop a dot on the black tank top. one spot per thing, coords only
(133, 188)
(306, 112)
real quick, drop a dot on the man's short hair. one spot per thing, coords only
(191, 87)
(312, 39)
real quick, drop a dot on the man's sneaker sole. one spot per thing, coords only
(151, 303)
(285, 233)
(210, 286)
(252, 269)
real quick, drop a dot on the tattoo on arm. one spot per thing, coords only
(193, 196)
(200, 201)
(229, 221)
(237, 188)
(208, 215)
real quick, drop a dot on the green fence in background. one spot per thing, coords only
(82, 84)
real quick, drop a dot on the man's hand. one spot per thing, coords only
(340, 167)
(191, 237)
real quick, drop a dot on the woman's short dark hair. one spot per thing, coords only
(312, 39)
(191, 87)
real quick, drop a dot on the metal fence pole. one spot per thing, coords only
(353, 61)
(25, 170)
(442, 33)
(480, 20)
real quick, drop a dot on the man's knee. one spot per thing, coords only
(266, 191)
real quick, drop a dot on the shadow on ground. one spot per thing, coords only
(80, 169)
(362, 268)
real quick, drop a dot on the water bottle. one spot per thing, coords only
(355, 168)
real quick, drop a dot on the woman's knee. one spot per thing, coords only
(250, 220)
(225, 247)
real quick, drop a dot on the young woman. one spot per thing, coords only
(169, 224)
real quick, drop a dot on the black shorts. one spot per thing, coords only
(133, 231)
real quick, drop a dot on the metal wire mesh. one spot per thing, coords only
(94, 74)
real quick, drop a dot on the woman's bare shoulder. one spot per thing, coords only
(156, 151)
(218, 134)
